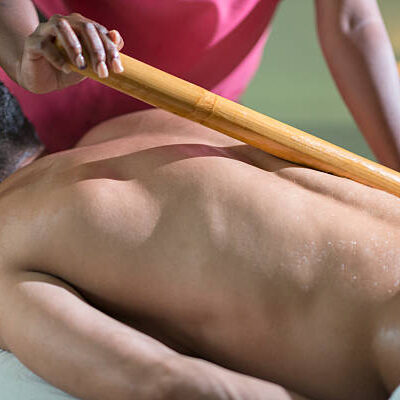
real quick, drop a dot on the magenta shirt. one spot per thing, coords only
(216, 44)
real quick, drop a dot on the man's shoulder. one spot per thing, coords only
(28, 204)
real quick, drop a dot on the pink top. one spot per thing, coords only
(216, 44)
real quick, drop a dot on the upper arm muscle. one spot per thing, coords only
(72, 345)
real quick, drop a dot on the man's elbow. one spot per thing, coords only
(183, 378)
(167, 378)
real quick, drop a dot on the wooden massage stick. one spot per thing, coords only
(180, 97)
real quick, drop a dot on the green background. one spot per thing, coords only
(293, 83)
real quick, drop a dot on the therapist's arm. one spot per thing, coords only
(359, 54)
(30, 57)
(18, 19)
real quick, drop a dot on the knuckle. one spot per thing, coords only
(60, 23)
(113, 53)
(102, 29)
(88, 26)
(55, 17)
(99, 54)
(76, 47)
(76, 15)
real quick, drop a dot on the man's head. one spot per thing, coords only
(18, 139)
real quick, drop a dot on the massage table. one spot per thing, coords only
(18, 383)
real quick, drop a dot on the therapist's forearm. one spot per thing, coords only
(18, 19)
(364, 68)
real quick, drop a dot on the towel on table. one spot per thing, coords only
(17, 382)
(396, 394)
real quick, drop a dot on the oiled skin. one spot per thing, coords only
(220, 251)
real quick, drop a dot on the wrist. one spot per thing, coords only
(12, 64)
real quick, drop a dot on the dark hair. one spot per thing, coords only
(18, 138)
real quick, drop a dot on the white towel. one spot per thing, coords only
(396, 394)
(19, 383)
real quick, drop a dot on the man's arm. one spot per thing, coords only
(77, 348)
(213, 382)
(52, 330)
(359, 54)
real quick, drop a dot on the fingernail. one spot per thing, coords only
(117, 65)
(80, 62)
(118, 37)
(102, 70)
(66, 68)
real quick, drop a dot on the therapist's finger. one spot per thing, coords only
(69, 41)
(95, 48)
(113, 61)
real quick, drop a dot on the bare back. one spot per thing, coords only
(217, 249)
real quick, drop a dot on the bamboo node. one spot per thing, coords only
(204, 107)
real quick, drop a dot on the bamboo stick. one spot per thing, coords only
(180, 97)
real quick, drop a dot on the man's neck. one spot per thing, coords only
(41, 152)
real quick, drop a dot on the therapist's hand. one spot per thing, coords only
(43, 68)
